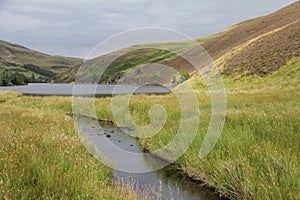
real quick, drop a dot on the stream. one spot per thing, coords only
(160, 184)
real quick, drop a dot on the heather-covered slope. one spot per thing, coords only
(254, 47)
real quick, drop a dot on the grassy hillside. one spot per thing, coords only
(122, 64)
(255, 48)
(16, 58)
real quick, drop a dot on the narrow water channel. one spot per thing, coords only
(159, 184)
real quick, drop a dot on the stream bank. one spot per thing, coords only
(165, 183)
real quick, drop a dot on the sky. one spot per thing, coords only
(75, 27)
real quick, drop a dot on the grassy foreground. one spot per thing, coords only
(41, 156)
(257, 156)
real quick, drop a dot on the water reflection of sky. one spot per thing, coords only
(164, 184)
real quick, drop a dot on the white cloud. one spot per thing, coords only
(73, 27)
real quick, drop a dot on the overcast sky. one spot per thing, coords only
(73, 27)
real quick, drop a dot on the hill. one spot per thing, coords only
(15, 58)
(252, 48)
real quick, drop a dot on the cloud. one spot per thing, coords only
(73, 27)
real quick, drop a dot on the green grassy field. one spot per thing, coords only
(41, 156)
(257, 156)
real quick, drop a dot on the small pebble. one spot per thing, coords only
(108, 135)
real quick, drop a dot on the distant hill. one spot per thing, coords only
(15, 58)
(256, 47)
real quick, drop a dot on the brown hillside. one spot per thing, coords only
(264, 44)
(263, 56)
(267, 54)
(251, 29)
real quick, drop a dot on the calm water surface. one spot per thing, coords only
(70, 89)
(160, 184)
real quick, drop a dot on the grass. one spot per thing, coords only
(41, 156)
(257, 156)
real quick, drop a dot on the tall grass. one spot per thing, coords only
(41, 156)
(257, 156)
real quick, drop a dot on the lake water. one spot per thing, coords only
(70, 89)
